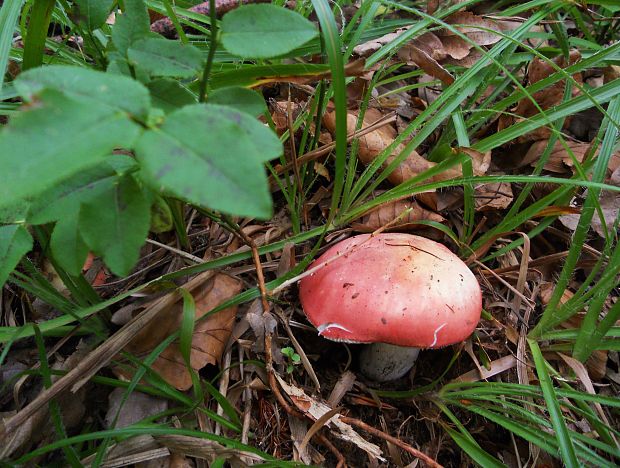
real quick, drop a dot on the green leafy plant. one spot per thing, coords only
(292, 357)
(113, 137)
(92, 151)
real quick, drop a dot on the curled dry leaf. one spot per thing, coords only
(367, 48)
(431, 44)
(479, 30)
(414, 55)
(385, 214)
(561, 160)
(209, 339)
(374, 143)
(550, 96)
(495, 196)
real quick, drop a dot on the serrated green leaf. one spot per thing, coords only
(92, 13)
(85, 85)
(55, 138)
(211, 156)
(115, 224)
(68, 247)
(170, 95)
(163, 57)
(15, 241)
(242, 99)
(264, 31)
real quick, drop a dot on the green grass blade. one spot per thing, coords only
(585, 219)
(40, 18)
(565, 442)
(9, 14)
(333, 47)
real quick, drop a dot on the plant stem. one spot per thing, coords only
(212, 46)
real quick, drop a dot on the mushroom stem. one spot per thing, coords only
(383, 362)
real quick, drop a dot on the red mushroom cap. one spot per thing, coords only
(392, 288)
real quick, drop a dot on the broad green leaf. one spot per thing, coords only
(211, 156)
(64, 199)
(242, 99)
(170, 95)
(264, 31)
(68, 247)
(163, 57)
(133, 24)
(85, 85)
(14, 213)
(115, 224)
(91, 13)
(15, 241)
(54, 138)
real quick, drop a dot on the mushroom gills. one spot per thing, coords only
(383, 362)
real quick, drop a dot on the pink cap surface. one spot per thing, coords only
(400, 289)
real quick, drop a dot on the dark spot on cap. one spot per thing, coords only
(385, 292)
(383, 321)
(404, 308)
(355, 295)
(346, 285)
(431, 277)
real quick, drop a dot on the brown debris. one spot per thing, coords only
(210, 335)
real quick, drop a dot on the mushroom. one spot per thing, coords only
(399, 292)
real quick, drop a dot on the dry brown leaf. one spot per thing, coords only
(431, 44)
(467, 62)
(494, 196)
(495, 367)
(510, 24)
(559, 158)
(373, 143)
(597, 363)
(610, 206)
(456, 47)
(550, 96)
(137, 407)
(385, 214)
(415, 56)
(39, 425)
(367, 48)
(210, 335)
(479, 30)
(431, 6)
(430, 93)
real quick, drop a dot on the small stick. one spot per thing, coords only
(399, 443)
(332, 448)
(291, 137)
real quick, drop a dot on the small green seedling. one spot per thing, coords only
(292, 357)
